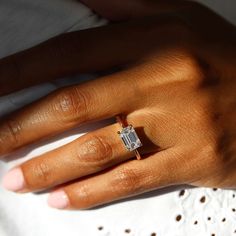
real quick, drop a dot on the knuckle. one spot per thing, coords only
(192, 67)
(208, 156)
(71, 103)
(102, 147)
(95, 149)
(181, 64)
(208, 152)
(13, 129)
(42, 174)
(84, 197)
(127, 180)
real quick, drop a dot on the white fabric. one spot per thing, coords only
(24, 23)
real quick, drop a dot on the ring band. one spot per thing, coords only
(129, 136)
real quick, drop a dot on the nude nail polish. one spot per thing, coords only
(58, 199)
(14, 180)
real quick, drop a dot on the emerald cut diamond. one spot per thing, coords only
(130, 138)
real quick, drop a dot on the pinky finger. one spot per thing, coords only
(128, 179)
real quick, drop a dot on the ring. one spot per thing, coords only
(129, 137)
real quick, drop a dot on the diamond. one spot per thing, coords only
(130, 138)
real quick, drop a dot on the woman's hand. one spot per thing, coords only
(177, 89)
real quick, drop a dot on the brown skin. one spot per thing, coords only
(180, 78)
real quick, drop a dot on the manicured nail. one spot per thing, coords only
(14, 180)
(58, 199)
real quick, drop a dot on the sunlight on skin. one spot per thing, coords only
(177, 89)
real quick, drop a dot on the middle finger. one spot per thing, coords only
(67, 108)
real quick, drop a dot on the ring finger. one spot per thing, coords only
(87, 155)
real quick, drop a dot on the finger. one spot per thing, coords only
(85, 51)
(77, 52)
(67, 108)
(89, 154)
(117, 10)
(128, 179)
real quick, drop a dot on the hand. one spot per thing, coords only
(177, 89)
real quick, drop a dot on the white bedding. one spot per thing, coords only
(24, 23)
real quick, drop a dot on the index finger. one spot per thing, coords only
(77, 52)
(83, 51)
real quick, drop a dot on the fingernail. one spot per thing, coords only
(58, 199)
(14, 180)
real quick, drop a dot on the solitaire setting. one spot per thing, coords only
(129, 137)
